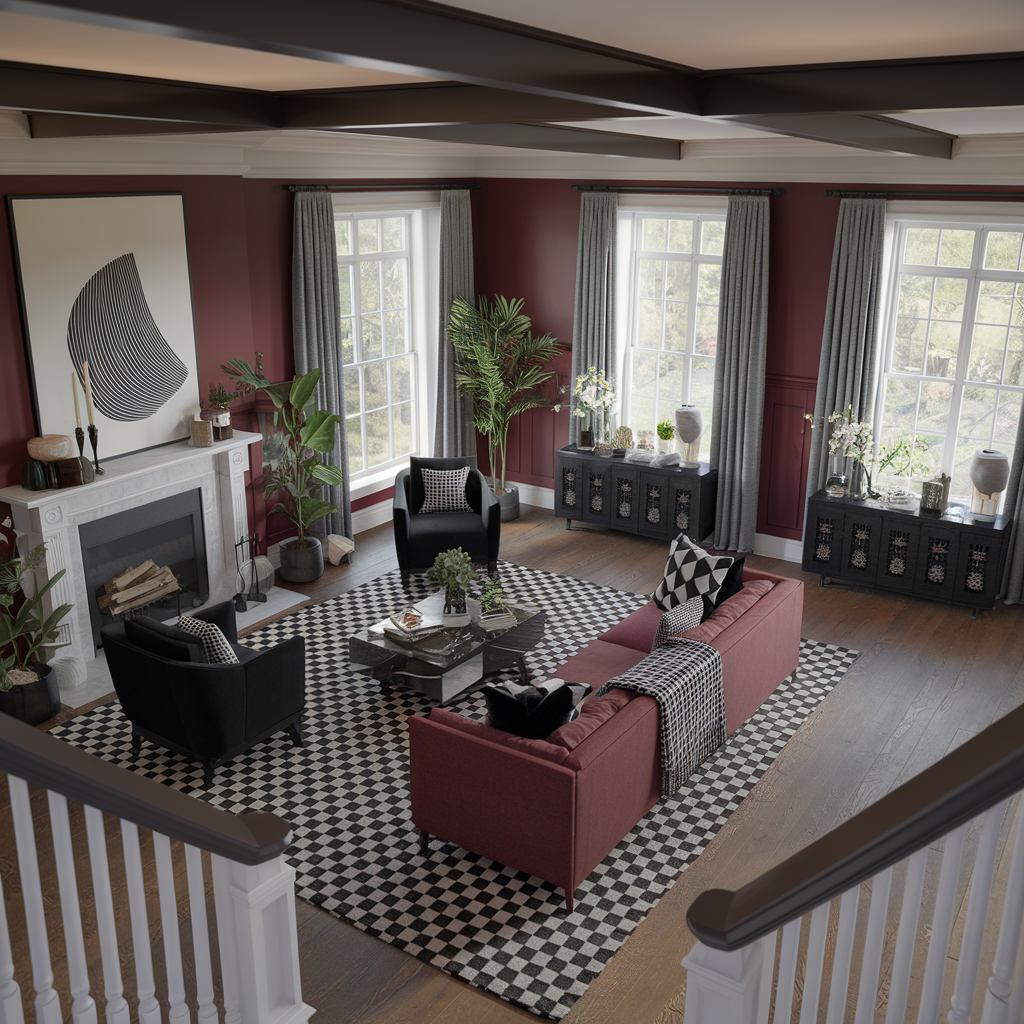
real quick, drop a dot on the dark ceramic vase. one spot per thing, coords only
(301, 565)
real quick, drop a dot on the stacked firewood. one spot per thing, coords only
(137, 586)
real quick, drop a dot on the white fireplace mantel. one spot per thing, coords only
(52, 517)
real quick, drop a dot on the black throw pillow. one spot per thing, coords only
(533, 713)
(165, 640)
(732, 584)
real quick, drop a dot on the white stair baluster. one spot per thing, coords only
(179, 1010)
(815, 964)
(200, 935)
(149, 1008)
(903, 960)
(942, 922)
(874, 943)
(229, 971)
(840, 983)
(83, 1009)
(47, 1002)
(117, 1011)
(10, 991)
(1016, 1010)
(1000, 984)
(787, 971)
(977, 910)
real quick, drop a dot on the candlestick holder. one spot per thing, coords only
(88, 473)
(93, 437)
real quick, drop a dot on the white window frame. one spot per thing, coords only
(632, 211)
(422, 211)
(961, 216)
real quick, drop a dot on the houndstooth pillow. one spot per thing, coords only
(215, 643)
(678, 620)
(444, 490)
(690, 572)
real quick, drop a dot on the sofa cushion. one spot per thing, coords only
(218, 650)
(690, 572)
(732, 584)
(531, 711)
(600, 661)
(165, 640)
(483, 731)
(729, 611)
(636, 630)
(595, 712)
(444, 490)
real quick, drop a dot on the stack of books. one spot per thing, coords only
(410, 626)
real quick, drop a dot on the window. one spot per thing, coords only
(675, 269)
(386, 342)
(953, 360)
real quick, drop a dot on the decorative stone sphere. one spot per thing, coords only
(989, 471)
(50, 447)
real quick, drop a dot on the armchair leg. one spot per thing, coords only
(136, 743)
(295, 734)
(208, 769)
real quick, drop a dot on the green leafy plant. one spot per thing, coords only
(666, 430)
(27, 634)
(492, 595)
(501, 366)
(309, 434)
(453, 569)
(220, 397)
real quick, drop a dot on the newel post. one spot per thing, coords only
(258, 927)
(729, 986)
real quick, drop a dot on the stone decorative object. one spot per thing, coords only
(51, 447)
(338, 547)
(202, 434)
(989, 472)
(932, 500)
(667, 459)
(624, 438)
(689, 427)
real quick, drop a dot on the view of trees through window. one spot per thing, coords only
(676, 274)
(954, 358)
(378, 357)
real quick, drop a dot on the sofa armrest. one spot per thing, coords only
(223, 616)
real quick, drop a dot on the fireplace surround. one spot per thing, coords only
(54, 517)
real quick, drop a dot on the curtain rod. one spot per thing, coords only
(416, 186)
(666, 188)
(835, 193)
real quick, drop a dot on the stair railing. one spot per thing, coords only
(736, 973)
(253, 896)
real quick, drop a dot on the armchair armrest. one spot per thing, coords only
(490, 512)
(400, 518)
(223, 616)
(275, 682)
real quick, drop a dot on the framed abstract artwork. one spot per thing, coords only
(105, 280)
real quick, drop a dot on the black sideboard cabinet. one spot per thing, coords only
(937, 557)
(647, 500)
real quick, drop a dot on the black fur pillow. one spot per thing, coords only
(531, 711)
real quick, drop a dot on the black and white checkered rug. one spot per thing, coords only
(345, 792)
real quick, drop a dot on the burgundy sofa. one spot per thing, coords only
(556, 807)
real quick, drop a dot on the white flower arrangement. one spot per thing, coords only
(593, 392)
(848, 437)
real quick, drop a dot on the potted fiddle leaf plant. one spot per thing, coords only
(502, 367)
(300, 474)
(28, 636)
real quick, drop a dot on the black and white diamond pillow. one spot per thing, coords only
(690, 572)
(215, 643)
(678, 620)
(444, 490)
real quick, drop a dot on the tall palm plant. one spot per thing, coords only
(501, 366)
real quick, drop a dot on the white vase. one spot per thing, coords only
(689, 427)
(989, 472)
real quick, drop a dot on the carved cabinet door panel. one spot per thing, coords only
(569, 488)
(862, 533)
(937, 558)
(897, 559)
(655, 516)
(625, 497)
(978, 571)
(597, 492)
(823, 540)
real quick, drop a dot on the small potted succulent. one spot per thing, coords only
(218, 412)
(666, 433)
(28, 685)
(453, 569)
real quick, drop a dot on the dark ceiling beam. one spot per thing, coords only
(880, 134)
(994, 80)
(75, 126)
(401, 40)
(537, 136)
(45, 90)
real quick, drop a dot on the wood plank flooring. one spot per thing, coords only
(929, 678)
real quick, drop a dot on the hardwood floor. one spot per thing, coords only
(928, 678)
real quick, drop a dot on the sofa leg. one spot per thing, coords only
(295, 734)
(568, 900)
(793, 676)
(424, 843)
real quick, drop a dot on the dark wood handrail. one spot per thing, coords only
(46, 761)
(977, 775)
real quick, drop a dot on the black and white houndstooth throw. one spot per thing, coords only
(685, 678)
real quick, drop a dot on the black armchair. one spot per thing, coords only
(420, 537)
(212, 713)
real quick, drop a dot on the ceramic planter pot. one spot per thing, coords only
(689, 427)
(509, 502)
(34, 702)
(301, 565)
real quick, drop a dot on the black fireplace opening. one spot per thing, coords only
(168, 531)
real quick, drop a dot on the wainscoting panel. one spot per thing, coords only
(784, 457)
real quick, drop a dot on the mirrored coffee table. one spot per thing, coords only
(452, 663)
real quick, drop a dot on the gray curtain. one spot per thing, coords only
(738, 411)
(1012, 589)
(316, 329)
(849, 344)
(593, 324)
(454, 436)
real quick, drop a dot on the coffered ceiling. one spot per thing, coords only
(602, 78)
